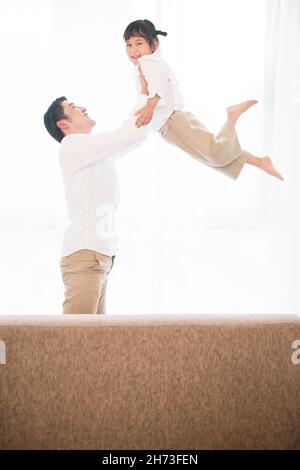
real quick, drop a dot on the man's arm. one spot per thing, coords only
(88, 149)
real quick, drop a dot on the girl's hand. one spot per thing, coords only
(144, 115)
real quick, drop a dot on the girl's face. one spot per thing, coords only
(137, 46)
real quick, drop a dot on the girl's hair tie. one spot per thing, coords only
(163, 33)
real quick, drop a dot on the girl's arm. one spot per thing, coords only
(143, 82)
(158, 80)
(144, 114)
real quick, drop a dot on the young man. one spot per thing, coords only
(92, 193)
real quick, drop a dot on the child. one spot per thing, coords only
(163, 109)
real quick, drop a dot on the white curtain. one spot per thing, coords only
(281, 138)
(190, 239)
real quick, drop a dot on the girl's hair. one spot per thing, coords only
(143, 28)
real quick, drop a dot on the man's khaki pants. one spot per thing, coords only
(222, 152)
(84, 274)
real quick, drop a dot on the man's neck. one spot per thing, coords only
(77, 131)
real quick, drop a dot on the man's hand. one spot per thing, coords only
(144, 115)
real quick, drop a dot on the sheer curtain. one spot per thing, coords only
(281, 131)
(190, 240)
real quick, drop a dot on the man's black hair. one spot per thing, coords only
(55, 113)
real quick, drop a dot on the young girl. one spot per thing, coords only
(181, 128)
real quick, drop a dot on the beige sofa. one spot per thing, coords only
(149, 382)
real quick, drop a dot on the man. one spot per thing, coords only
(92, 193)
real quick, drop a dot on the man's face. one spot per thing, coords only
(136, 47)
(78, 121)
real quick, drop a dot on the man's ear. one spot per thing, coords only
(62, 124)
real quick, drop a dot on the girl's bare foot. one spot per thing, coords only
(268, 167)
(236, 110)
(263, 163)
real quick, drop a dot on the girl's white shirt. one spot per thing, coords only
(161, 81)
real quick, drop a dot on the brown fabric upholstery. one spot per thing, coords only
(149, 382)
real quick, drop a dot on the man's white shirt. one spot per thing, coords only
(91, 183)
